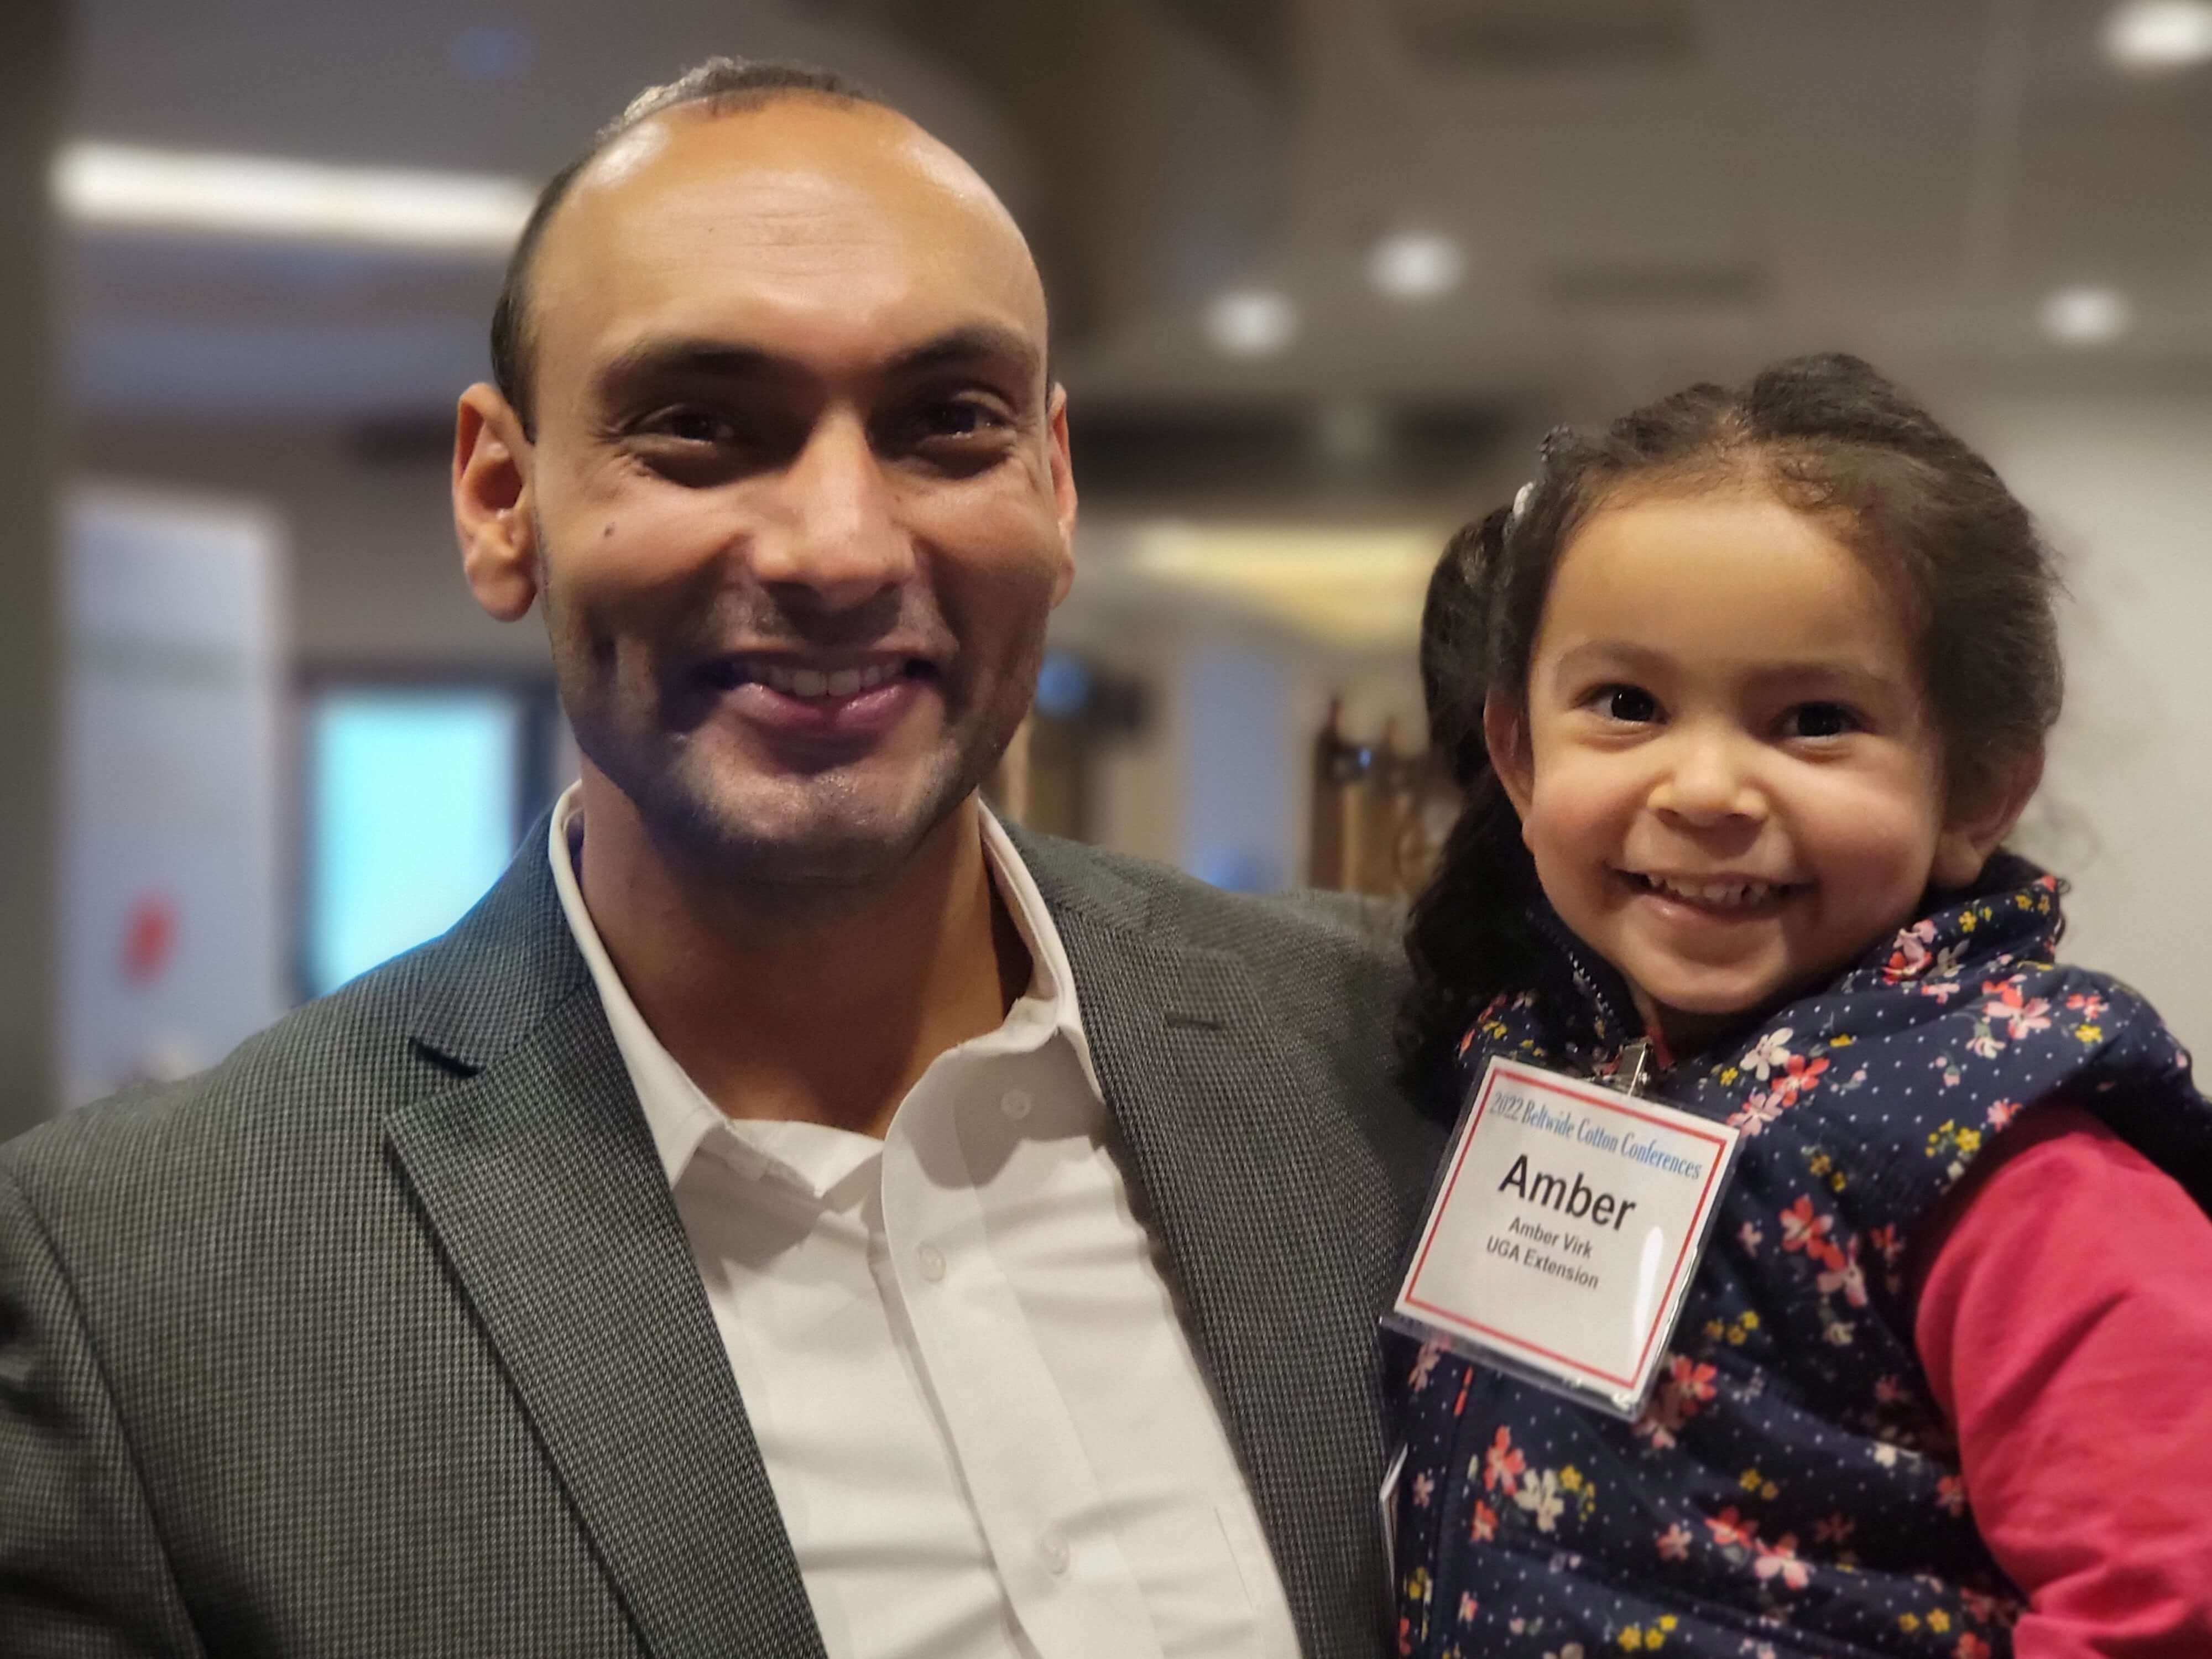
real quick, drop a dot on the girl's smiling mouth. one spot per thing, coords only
(1723, 894)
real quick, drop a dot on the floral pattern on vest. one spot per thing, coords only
(1792, 1488)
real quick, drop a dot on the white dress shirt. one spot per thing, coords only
(982, 1419)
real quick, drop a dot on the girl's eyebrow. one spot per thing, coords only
(1614, 654)
(1850, 678)
(1838, 674)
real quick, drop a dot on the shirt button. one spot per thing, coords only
(1016, 1103)
(932, 1262)
(1054, 1547)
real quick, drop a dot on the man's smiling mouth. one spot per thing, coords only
(814, 680)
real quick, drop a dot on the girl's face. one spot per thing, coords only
(1727, 771)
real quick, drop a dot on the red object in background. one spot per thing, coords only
(149, 938)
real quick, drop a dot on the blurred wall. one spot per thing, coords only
(1242, 773)
(171, 871)
(31, 79)
(375, 576)
(2123, 488)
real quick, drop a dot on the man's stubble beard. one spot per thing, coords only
(835, 847)
(832, 848)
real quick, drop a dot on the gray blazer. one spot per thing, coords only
(383, 1337)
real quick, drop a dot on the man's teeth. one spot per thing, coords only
(813, 683)
(1724, 895)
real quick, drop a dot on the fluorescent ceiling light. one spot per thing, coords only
(2156, 34)
(1252, 322)
(118, 187)
(1415, 265)
(1349, 588)
(2087, 316)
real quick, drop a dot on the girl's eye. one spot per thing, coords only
(1627, 703)
(1821, 719)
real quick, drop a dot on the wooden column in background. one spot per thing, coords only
(32, 36)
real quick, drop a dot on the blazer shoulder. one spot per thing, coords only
(1331, 965)
(337, 1058)
(1142, 896)
(426, 1018)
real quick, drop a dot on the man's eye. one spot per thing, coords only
(957, 435)
(954, 426)
(1821, 719)
(691, 426)
(950, 419)
(1628, 703)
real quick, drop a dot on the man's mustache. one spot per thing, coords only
(900, 619)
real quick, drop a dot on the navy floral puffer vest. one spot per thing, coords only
(1792, 1488)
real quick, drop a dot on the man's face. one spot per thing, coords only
(800, 490)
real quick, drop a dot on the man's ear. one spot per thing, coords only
(1976, 822)
(1063, 486)
(1505, 734)
(492, 511)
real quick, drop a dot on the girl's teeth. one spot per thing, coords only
(844, 682)
(1724, 895)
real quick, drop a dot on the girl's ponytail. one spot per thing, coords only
(1467, 935)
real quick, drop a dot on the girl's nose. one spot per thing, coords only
(1708, 780)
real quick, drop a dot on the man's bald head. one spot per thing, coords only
(719, 86)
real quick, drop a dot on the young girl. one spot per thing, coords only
(1744, 696)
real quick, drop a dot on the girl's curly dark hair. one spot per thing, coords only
(1829, 436)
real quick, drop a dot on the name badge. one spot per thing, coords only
(1568, 1222)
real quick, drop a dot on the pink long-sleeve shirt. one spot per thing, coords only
(2065, 1323)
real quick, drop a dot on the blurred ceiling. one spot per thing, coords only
(1643, 192)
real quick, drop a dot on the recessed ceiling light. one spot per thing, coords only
(120, 186)
(2087, 316)
(1416, 264)
(2157, 34)
(1251, 322)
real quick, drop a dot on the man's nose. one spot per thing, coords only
(834, 531)
(1710, 778)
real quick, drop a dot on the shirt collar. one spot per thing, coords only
(677, 1113)
(1052, 980)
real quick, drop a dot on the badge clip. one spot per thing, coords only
(1633, 1070)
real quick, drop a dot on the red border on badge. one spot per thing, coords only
(1605, 1102)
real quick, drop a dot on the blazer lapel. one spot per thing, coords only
(539, 1179)
(1278, 1230)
